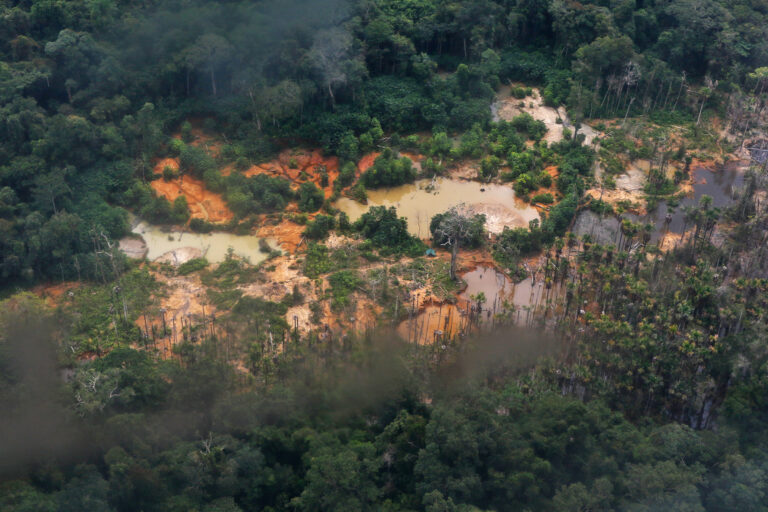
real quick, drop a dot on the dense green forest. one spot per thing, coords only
(643, 386)
(90, 90)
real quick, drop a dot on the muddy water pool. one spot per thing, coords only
(500, 293)
(418, 202)
(213, 246)
(720, 184)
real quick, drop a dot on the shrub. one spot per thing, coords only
(180, 210)
(316, 260)
(489, 167)
(343, 284)
(323, 171)
(169, 173)
(319, 228)
(520, 92)
(175, 146)
(544, 198)
(525, 123)
(195, 161)
(201, 226)
(186, 131)
(310, 197)
(544, 179)
(358, 193)
(344, 225)
(389, 171)
(192, 265)
(346, 175)
(242, 163)
(387, 231)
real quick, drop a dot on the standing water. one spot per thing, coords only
(213, 246)
(721, 185)
(419, 202)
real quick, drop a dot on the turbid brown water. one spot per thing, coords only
(489, 281)
(720, 184)
(513, 301)
(213, 246)
(418, 203)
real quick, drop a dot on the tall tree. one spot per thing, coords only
(455, 228)
(209, 53)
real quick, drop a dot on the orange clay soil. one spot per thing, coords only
(309, 162)
(367, 161)
(288, 235)
(52, 293)
(447, 318)
(203, 204)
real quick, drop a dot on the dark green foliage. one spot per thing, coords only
(531, 67)
(89, 94)
(576, 164)
(525, 123)
(196, 161)
(489, 167)
(521, 241)
(359, 194)
(346, 175)
(389, 170)
(192, 265)
(180, 211)
(201, 226)
(658, 184)
(343, 284)
(521, 92)
(258, 194)
(316, 260)
(475, 232)
(545, 198)
(319, 228)
(310, 197)
(387, 232)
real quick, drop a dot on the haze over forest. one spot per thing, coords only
(383, 255)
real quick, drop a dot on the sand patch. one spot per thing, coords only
(180, 256)
(52, 294)
(633, 180)
(467, 170)
(497, 217)
(134, 248)
(183, 302)
(630, 187)
(670, 240)
(507, 108)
